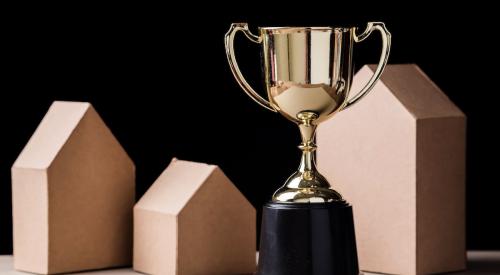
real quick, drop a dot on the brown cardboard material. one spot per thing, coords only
(73, 190)
(193, 220)
(399, 157)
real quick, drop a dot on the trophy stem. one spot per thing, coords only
(307, 185)
(307, 165)
(308, 146)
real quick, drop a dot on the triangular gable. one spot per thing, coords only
(175, 186)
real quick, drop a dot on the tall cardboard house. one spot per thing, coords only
(73, 190)
(193, 220)
(398, 156)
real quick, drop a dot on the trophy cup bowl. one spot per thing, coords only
(308, 73)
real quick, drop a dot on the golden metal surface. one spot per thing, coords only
(229, 43)
(308, 75)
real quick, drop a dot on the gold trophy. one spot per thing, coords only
(307, 228)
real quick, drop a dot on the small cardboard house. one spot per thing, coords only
(399, 157)
(73, 190)
(193, 220)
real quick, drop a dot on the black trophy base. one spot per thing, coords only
(307, 238)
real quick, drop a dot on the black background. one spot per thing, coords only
(159, 78)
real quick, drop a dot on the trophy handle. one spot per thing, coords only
(229, 43)
(386, 47)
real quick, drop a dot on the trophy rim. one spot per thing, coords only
(290, 29)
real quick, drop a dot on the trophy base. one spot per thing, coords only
(308, 238)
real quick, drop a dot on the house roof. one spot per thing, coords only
(175, 186)
(420, 96)
(51, 134)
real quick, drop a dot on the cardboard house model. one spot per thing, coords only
(398, 156)
(193, 220)
(73, 190)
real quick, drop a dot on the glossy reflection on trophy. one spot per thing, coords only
(307, 228)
